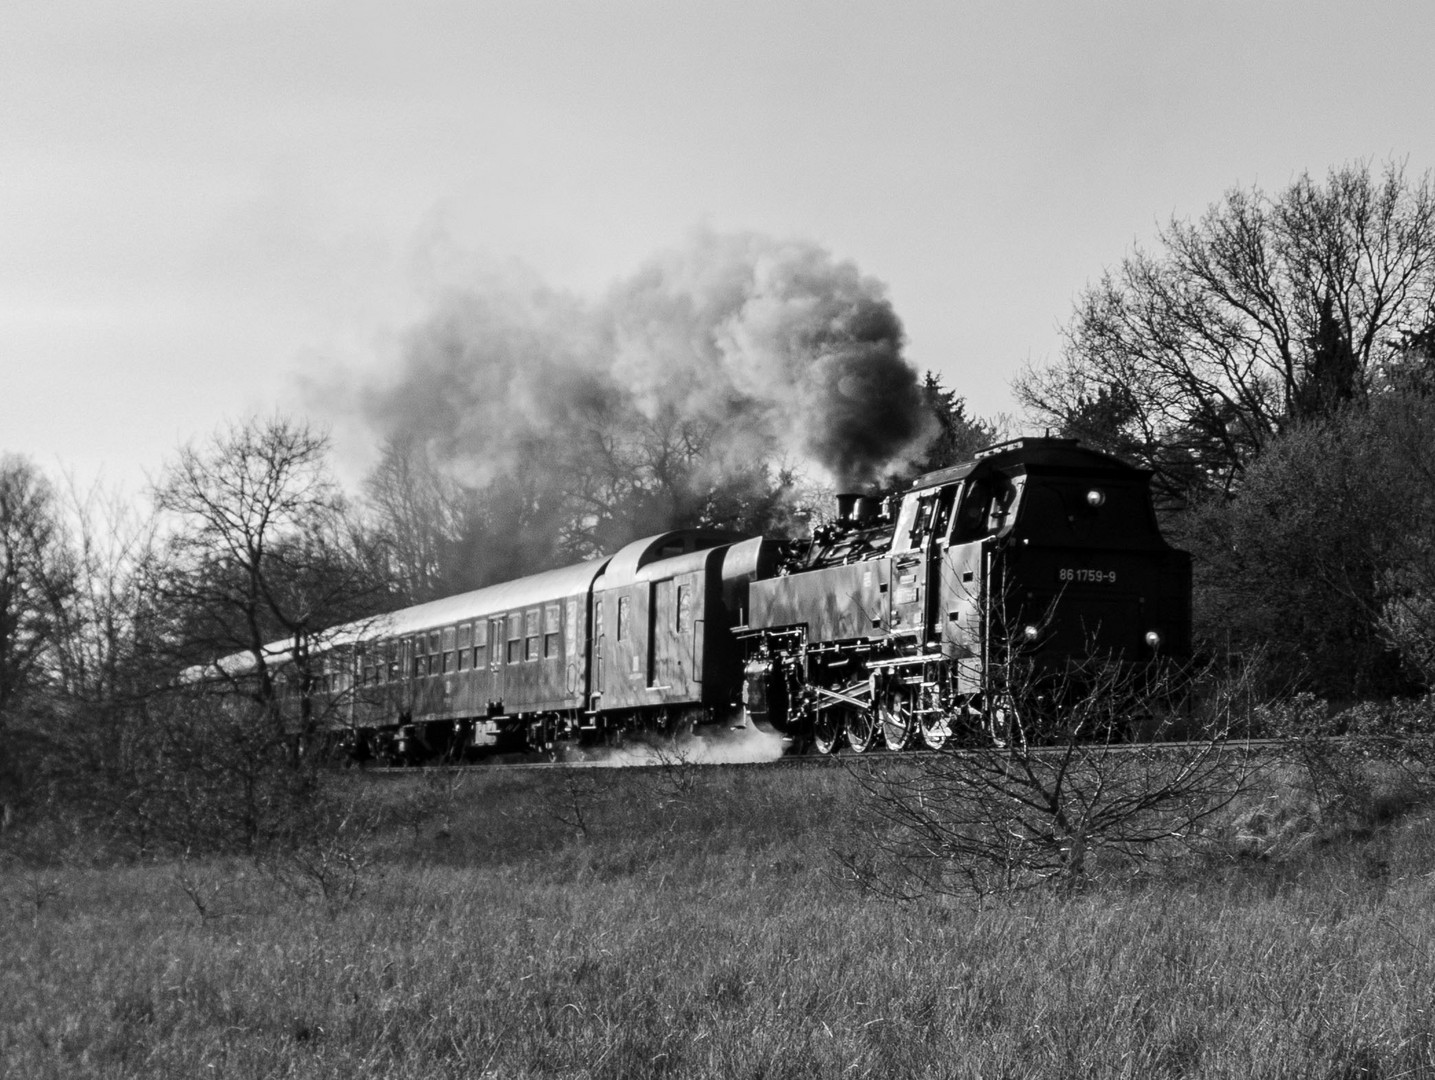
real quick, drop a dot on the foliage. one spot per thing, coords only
(1359, 767)
(1325, 560)
(958, 436)
(1270, 309)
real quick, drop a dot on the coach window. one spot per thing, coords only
(465, 642)
(447, 663)
(530, 633)
(433, 653)
(515, 638)
(480, 644)
(685, 608)
(624, 602)
(420, 666)
(551, 630)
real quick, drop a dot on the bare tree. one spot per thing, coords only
(101, 628)
(36, 580)
(261, 560)
(419, 512)
(36, 583)
(1269, 309)
(612, 476)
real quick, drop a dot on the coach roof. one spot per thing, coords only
(480, 603)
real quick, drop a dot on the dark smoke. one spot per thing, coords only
(772, 350)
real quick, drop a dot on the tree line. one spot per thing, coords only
(1273, 363)
(248, 543)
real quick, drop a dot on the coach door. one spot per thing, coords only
(497, 643)
(599, 644)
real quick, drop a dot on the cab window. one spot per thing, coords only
(974, 512)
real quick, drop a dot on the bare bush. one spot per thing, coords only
(571, 802)
(431, 801)
(210, 887)
(332, 866)
(678, 768)
(36, 889)
(1360, 767)
(1061, 793)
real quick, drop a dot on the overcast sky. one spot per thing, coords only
(204, 206)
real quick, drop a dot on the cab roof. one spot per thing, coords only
(1027, 452)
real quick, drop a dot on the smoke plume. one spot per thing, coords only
(768, 350)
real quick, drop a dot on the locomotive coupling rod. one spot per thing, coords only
(838, 696)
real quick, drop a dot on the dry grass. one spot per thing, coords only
(700, 929)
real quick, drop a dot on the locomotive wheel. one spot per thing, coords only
(936, 730)
(861, 726)
(826, 731)
(894, 711)
(1004, 722)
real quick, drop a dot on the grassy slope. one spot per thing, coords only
(699, 928)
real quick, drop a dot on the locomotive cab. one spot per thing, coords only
(1077, 567)
(1038, 550)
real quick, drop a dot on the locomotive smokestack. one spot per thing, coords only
(855, 508)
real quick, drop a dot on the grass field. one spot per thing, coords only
(696, 923)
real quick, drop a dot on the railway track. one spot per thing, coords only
(649, 759)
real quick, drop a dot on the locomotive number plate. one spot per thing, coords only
(1085, 576)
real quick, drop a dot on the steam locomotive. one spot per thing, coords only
(895, 625)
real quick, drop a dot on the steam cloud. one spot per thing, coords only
(772, 346)
(732, 747)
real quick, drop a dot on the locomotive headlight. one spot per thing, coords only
(1153, 639)
(1096, 498)
(1031, 633)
